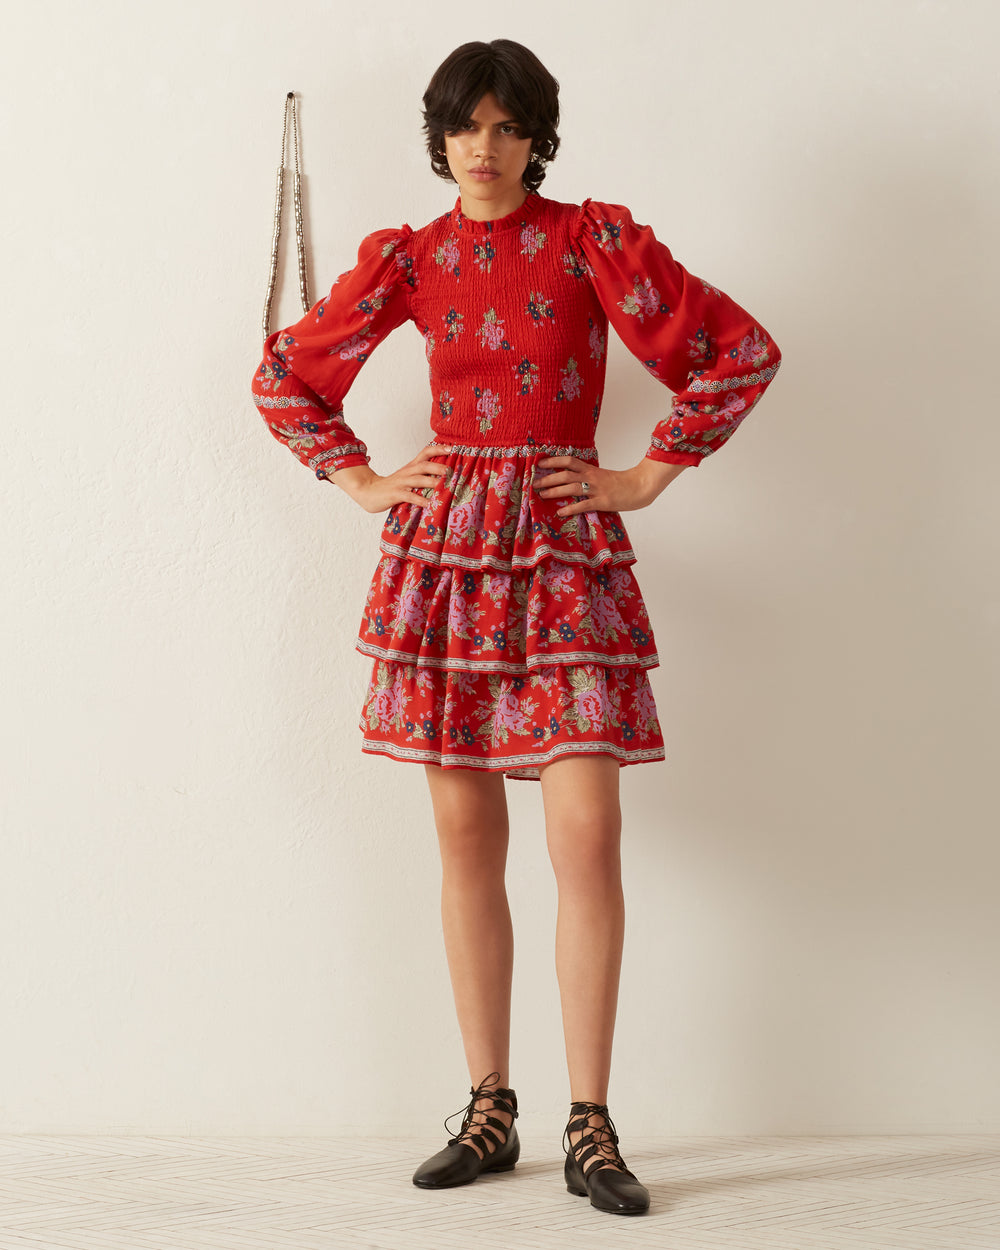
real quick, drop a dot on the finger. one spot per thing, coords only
(561, 492)
(573, 508)
(432, 449)
(567, 483)
(548, 480)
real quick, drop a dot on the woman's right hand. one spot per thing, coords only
(378, 494)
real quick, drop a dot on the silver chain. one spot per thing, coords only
(279, 199)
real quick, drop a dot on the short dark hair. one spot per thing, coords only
(521, 84)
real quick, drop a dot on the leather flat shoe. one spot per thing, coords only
(459, 1162)
(614, 1189)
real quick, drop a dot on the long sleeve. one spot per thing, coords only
(715, 357)
(308, 368)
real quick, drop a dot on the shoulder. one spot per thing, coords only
(383, 243)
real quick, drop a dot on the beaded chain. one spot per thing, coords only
(279, 197)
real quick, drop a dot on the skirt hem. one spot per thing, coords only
(517, 767)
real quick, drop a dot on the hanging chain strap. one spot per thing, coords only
(279, 197)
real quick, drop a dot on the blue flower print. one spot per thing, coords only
(528, 373)
(454, 320)
(539, 308)
(484, 254)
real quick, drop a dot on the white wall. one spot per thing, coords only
(218, 916)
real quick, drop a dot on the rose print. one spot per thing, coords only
(491, 331)
(753, 350)
(354, 348)
(467, 515)
(644, 300)
(411, 610)
(463, 615)
(597, 341)
(570, 382)
(590, 706)
(447, 256)
(532, 241)
(504, 479)
(488, 407)
(605, 618)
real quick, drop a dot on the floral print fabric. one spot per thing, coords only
(503, 636)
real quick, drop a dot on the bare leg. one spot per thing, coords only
(470, 811)
(583, 831)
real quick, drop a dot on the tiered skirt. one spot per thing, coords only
(503, 635)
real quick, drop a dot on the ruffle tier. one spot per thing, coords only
(498, 723)
(485, 514)
(489, 621)
(504, 636)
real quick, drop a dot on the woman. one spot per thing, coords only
(508, 633)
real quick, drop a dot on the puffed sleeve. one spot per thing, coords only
(308, 368)
(690, 335)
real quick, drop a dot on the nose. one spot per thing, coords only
(484, 144)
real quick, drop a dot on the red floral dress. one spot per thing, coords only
(502, 635)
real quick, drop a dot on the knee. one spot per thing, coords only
(474, 850)
(586, 857)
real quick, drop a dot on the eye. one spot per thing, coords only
(509, 128)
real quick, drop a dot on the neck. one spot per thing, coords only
(491, 210)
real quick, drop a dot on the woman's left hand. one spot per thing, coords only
(608, 490)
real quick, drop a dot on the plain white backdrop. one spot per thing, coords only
(216, 915)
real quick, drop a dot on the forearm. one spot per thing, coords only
(352, 477)
(656, 475)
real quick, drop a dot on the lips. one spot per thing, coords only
(483, 172)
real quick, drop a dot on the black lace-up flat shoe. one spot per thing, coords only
(459, 1162)
(600, 1174)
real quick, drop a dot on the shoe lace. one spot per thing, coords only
(501, 1100)
(589, 1148)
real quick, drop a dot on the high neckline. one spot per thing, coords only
(510, 221)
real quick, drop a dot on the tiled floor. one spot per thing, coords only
(307, 1193)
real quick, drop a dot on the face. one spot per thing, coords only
(487, 158)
